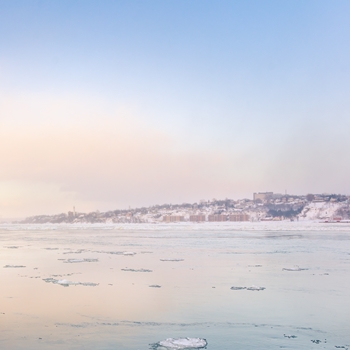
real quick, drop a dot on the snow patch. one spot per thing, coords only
(171, 259)
(67, 283)
(136, 270)
(238, 288)
(182, 343)
(256, 288)
(295, 268)
(72, 261)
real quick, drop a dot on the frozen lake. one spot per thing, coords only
(239, 286)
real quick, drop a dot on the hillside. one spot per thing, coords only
(287, 207)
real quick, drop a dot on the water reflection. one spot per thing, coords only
(235, 289)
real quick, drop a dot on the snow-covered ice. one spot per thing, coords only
(252, 288)
(256, 288)
(171, 259)
(295, 268)
(182, 343)
(72, 261)
(136, 270)
(67, 283)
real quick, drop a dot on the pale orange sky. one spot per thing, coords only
(114, 160)
(117, 104)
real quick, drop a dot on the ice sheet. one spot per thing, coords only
(136, 270)
(295, 268)
(67, 283)
(182, 343)
(72, 261)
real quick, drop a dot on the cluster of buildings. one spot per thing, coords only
(264, 206)
(211, 218)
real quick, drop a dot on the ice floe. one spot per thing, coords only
(136, 270)
(295, 268)
(256, 288)
(252, 288)
(79, 251)
(181, 343)
(171, 259)
(108, 252)
(14, 266)
(72, 261)
(67, 283)
(238, 288)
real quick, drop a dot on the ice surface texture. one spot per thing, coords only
(256, 288)
(66, 283)
(253, 288)
(295, 268)
(72, 261)
(171, 259)
(182, 343)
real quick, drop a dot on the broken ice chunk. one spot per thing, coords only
(67, 283)
(256, 288)
(238, 288)
(171, 259)
(129, 253)
(88, 284)
(14, 266)
(72, 261)
(136, 270)
(79, 251)
(182, 343)
(155, 286)
(295, 268)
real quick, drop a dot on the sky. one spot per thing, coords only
(107, 105)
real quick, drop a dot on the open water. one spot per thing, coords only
(252, 286)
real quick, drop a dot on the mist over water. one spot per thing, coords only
(128, 287)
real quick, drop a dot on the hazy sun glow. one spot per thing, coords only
(114, 104)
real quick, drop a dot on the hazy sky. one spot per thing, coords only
(110, 104)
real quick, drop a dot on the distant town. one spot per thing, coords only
(265, 206)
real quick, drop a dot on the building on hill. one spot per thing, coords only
(217, 217)
(263, 196)
(239, 217)
(173, 218)
(197, 218)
